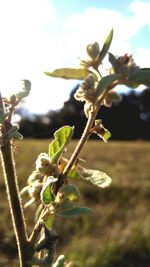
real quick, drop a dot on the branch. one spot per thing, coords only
(15, 204)
(86, 133)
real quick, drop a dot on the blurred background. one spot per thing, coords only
(41, 35)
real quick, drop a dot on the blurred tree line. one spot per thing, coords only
(127, 120)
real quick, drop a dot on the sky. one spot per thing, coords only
(41, 35)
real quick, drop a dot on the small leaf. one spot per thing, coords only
(106, 136)
(74, 212)
(25, 90)
(105, 47)
(60, 262)
(101, 131)
(49, 221)
(13, 133)
(114, 62)
(47, 195)
(62, 137)
(14, 128)
(106, 81)
(114, 96)
(69, 73)
(71, 191)
(74, 173)
(95, 177)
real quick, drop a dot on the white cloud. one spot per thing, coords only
(143, 57)
(34, 39)
(141, 12)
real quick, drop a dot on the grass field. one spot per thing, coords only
(118, 234)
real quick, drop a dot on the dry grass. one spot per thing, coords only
(117, 235)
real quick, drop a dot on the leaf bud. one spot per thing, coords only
(35, 175)
(35, 189)
(47, 241)
(44, 165)
(93, 50)
(89, 81)
(101, 131)
(25, 90)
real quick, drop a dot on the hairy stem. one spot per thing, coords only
(83, 139)
(15, 204)
(72, 160)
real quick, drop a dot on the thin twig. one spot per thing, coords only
(83, 139)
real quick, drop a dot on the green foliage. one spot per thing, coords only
(141, 76)
(105, 82)
(49, 220)
(71, 191)
(114, 62)
(96, 177)
(47, 195)
(69, 73)
(62, 137)
(101, 131)
(24, 92)
(105, 47)
(50, 184)
(75, 211)
(13, 133)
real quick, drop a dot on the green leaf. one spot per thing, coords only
(114, 96)
(69, 73)
(71, 191)
(105, 47)
(60, 262)
(75, 211)
(2, 115)
(49, 221)
(47, 195)
(101, 131)
(62, 137)
(25, 90)
(114, 62)
(104, 82)
(13, 133)
(141, 76)
(95, 177)
(74, 173)
(106, 136)
(13, 128)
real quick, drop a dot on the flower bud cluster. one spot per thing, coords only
(44, 165)
(124, 65)
(43, 169)
(86, 92)
(35, 189)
